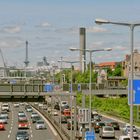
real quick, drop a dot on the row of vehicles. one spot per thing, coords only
(105, 128)
(23, 122)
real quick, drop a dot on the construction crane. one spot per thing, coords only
(4, 64)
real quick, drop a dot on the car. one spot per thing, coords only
(22, 135)
(96, 118)
(81, 130)
(63, 119)
(40, 124)
(107, 131)
(21, 103)
(54, 113)
(23, 124)
(22, 117)
(135, 133)
(5, 107)
(34, 114)
(29, 109)
(16, 104)
(115, 125)
(69, 125)
(100, 124)
(21, 113)
(35, 119)
(127, 126)
(2, 126)
(56, 106)
(97, 126)
(124, 138)
(63, 103)
(40, 105)
(4, 113)
(3, 119)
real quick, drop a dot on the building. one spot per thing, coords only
(105, 65)
(126, 64)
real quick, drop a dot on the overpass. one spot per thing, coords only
(27, 93)
(37, 92)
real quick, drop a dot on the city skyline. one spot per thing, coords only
(52, 26)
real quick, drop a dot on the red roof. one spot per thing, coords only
(107, 64)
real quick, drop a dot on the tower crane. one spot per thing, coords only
(4, 64)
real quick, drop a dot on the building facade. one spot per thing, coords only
(126, 64)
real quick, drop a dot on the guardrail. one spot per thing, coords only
(63, 134)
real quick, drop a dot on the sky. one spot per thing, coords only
(52, 27)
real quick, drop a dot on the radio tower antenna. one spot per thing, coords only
(26, 55)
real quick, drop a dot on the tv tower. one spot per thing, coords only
(26, 55)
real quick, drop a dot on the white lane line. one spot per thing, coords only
(29, 125)
(53, 130)
(12, 120)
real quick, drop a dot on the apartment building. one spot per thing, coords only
(126, 64)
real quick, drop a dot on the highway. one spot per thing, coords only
(118, 133)
(12, 127)
(49, 133)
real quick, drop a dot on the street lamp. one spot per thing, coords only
(90, 82)
(131, 27)
(71, 91)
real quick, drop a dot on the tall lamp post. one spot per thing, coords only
(71, 91)
(90, 80)
(131, 27)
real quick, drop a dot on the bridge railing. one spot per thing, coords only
(22, 88)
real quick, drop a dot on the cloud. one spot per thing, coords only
(12, 29)
(96, 29)
(45, 24)
(119, 47)
(10, 42)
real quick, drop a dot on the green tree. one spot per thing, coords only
(117, 71)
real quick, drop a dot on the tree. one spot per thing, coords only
(117, 71)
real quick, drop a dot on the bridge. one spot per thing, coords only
(37, 92)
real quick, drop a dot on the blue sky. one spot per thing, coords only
(52, 27)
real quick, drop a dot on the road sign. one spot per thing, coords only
(83, 115)
(79, 87)
(89, 135)
(48, 87)
(136, 91)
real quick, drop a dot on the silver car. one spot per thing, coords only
(34, 114)
(107, 131)
(4, 114)
(135, 133)
(40, 124)
(3, 119)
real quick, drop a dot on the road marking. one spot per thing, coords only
(8, 136)
(53, 130)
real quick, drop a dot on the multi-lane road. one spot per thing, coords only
(46, 134)
(12, 126)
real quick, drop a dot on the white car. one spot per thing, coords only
(21, 113)
(63, 103)
(40, 124)
(5, 107)
(34, 114)
(16, 104)
(54, 113)
(107, 131)
(124, 138)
